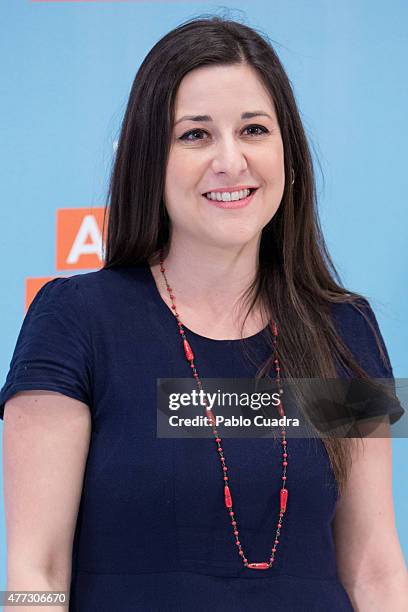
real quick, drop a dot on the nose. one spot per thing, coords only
(229, 157)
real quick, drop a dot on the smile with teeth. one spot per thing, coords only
(226, 196)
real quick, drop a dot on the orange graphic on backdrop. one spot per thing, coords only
(78, 245)
(79, 238)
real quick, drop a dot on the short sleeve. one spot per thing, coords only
(53, 350)
(360, 334)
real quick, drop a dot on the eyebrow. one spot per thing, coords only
(202, 118)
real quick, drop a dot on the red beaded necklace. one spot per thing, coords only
(211, 417)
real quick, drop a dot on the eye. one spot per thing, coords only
(258, 127)
(185, 136)
(196, 131)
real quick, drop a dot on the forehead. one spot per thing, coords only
(207, 89)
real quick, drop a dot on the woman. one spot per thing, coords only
(146, 521)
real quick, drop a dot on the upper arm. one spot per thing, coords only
(364, 529)
(45, 445)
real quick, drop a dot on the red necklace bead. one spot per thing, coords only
(283, 498)
(187, 349)
(258, 566)
(283, 494)
(228, 498)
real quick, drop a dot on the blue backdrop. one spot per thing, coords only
(66, 74)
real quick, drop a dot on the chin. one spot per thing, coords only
(231, 238)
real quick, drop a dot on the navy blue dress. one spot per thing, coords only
(152, 531)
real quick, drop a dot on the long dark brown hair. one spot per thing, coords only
(296, 281)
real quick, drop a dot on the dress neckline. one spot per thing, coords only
(168, 313)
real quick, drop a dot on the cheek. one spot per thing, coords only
(174, 174)
(268, 164)
(183, 174)
(273, 172)
(179, 183)
(274, 163)
(275, 169)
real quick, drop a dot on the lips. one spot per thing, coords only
(230, 189)
(235, 203)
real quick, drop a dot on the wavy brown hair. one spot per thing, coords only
(296, 282)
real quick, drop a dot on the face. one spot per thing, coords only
(223, 150)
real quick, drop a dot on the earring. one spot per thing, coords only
(293, 175)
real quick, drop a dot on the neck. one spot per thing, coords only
(208, 284)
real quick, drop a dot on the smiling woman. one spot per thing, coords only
(215, 267)
(225, 146)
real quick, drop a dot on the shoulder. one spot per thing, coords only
(98, 300)
(358, 328)
(99, 284)
(112, 278)
(353, 317)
